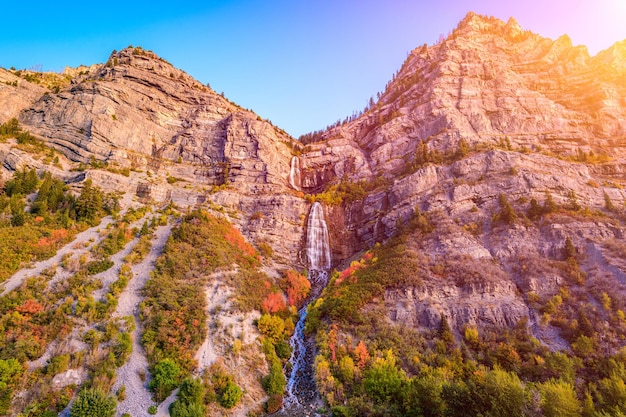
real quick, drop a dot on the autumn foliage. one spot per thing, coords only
(349, 272)
(361, 354)
(274, 303)
(298, 288)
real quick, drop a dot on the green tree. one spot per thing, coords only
(559, 399)
(507, 214)
(191, 391)
(144, 229)
(549, 206)
(272, 327)
(535, 210)
(10, 372)
(275, 382)
(92, 402)
(424, 397)
(51, 195)
(569, 250)
(190, 401)
(23, 182)
(89, 204)
(384, 381)
(504, 394)
(231, 395)
(165, 378)
(445, 333)
(18, 216)
(612, 394)
(180, 409)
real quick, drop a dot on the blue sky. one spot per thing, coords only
(302, 64)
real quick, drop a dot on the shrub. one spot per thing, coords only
(91, 402)
(166, 377)
(231, 395)
(95, 267)
(274, 403)
(275, 382)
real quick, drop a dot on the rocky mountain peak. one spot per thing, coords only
(613, 57)
(487, 81)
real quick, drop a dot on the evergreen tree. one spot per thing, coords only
(89, 202)
(535, 210)
(166, 377)
(445, 333)
(549, 206)
(569, 249)
(507, 214)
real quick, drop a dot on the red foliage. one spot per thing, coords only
(354, 266)
(234, 237)
(274, 302)
(57, 236)
(30, 307)
(298, 287)
(361, 354)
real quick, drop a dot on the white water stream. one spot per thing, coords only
(317, 244)
(295, 179)
(302, 397)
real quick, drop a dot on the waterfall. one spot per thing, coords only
(317, 244)
(302, 397)
(294, 174)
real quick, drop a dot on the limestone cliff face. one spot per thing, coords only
(138, 111)
(487, 81)
(530, 110)
(16, 94)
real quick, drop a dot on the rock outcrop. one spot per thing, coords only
(16, 94)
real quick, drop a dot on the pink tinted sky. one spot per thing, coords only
(301, 63)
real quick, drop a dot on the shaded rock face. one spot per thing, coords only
(495, 305)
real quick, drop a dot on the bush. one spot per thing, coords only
(166, 378)
(275, 382)
(95, 267)
(274, 403)
(231, 396)
(152, 410)
(92, 402)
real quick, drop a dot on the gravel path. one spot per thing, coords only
(138, 398)
(79, 244)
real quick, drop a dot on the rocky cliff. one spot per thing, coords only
(137, 113)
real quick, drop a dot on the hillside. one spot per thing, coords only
(158, 237)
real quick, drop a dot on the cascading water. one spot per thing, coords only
(317, 244)
(302, 397)
(294, 174)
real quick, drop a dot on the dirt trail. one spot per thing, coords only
(138, 398)
(79, 245)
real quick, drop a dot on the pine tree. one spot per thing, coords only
(507, 214)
